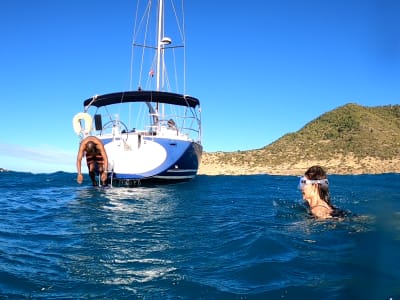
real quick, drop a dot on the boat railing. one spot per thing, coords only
(180, 125)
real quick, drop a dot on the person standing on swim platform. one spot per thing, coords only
(314, 186)
(96, 157)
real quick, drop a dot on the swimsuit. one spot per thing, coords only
(94, 158)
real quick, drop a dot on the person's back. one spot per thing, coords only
(96, 159)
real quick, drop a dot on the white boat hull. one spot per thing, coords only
(139, 158)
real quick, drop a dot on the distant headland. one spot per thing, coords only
(351, 139)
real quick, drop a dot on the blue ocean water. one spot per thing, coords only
(216, 237)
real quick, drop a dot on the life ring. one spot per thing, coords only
(76, 122)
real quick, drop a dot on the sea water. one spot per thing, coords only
(215, 237)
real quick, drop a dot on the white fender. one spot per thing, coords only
(76, 123)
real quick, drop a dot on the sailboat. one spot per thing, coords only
(151, 133)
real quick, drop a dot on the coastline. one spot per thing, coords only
(348, 165)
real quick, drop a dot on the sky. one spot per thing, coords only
(260, 68)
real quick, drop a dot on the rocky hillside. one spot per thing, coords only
(351, 139)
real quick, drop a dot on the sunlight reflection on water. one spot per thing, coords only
(222, 237)
(138, 238)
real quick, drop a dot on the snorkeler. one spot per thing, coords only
(314, 186)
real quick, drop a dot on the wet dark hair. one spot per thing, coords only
(91, 147)
(316, 173)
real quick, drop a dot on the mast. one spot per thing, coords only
(159, 41)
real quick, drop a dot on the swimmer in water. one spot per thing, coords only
(314, 186)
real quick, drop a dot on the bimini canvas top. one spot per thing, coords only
(142, 96)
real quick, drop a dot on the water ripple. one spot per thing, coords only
(216, 237)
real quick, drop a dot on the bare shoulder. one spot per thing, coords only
(321, 212)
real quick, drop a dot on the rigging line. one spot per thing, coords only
(144, 43)
(178, 22)
(132, 60)
(149, 77)
(146, 11)
(135, 26)
(131, 71)
(166, 82)
(137, 29)
(181, 29)
(184, 47)
(181, 33)
(175, 71)
(136, 21)
(90, 103)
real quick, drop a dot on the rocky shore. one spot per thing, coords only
(337, 165)
(351, 139)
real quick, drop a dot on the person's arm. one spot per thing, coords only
(79, 178)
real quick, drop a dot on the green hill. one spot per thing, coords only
(363, 131)
(351, 138)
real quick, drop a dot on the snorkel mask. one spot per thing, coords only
(303, 181)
